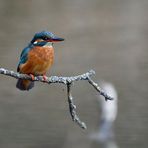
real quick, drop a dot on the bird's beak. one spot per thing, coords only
(56, 39)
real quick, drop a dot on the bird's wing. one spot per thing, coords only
(23, 57)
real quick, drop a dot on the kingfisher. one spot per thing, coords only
(36, 58)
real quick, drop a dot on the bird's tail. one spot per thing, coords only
(24, 84)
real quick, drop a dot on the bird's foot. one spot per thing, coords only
(45, 78)
(32, 77)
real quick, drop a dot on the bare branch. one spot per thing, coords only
(72, 108)
(52, 79)
(101, 91)
(64, 80)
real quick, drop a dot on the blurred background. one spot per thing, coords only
(109, 36)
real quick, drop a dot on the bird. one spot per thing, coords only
(36, 58)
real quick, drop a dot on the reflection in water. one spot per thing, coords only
(105, 136)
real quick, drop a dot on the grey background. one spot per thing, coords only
(109, 36)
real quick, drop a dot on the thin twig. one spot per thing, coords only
(64, 80)
(72, 108)
(101, 91)
(52, 79)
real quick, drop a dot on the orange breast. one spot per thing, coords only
(39, 60)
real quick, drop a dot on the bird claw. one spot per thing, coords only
(45, 78)
(32, 77)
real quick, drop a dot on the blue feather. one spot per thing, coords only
(24, 55)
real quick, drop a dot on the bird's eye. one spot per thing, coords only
(45, 38)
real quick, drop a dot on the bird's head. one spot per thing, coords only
(45, 37)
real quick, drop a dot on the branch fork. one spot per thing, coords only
(66, 81)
